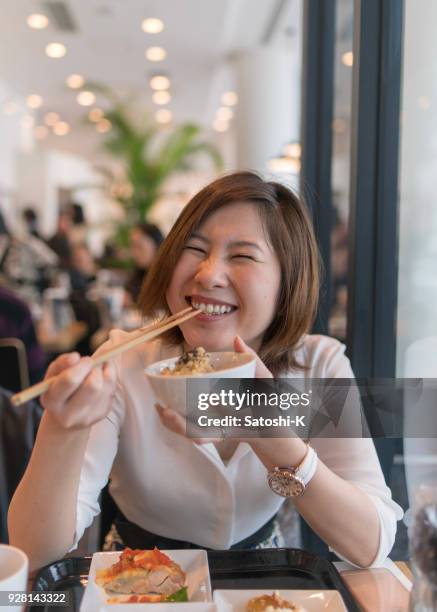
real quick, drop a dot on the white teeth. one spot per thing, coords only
(215, 309)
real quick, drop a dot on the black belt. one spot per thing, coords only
(137, 537)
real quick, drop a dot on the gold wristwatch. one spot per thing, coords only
(291, 481)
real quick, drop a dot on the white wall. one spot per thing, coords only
(42, 173)
(13, 138)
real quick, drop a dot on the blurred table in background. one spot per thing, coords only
(63, 340)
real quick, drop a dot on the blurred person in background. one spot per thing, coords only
(145, 240)
(83, 268)
(27, 264)
(60, 242)
(30, 219)
(16, 322)
(78, 230)
(82, 273)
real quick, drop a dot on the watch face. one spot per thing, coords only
(285, 483)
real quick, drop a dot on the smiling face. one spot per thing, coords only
(228, 270)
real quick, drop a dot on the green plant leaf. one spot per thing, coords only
(148, 158)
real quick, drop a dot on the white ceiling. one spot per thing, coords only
(108, 46)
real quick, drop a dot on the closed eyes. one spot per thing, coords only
(235, 256)
(193, 248)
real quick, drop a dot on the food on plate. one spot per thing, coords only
(147, 576)
(196, 361)
(271, 603)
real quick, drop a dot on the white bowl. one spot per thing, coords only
(170, 390)
(14, 570)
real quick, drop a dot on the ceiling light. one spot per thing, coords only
(96, 114)
(10, 108)
(229, 98)
(34, 101)
(61, 128)
(27, 121)
(163, 115)
(348, 59)
(37, 21)
(225, 113)
(40, 132)
(51, 118)
(56, 50)
(161, 97)
(103, 126)
(156, 54)
(152, 26)
(86, 98)
(75, 81)
(159, 82)
(220, 126)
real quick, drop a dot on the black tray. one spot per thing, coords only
(269, 568)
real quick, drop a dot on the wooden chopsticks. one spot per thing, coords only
(145, 334)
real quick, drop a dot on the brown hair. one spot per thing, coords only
(291, 236)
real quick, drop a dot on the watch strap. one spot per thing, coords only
(308, 466)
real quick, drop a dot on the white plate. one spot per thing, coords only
(193, 562)
(311, 601)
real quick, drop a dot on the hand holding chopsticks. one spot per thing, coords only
(144, 334)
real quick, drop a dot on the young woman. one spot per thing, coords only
(247, 244)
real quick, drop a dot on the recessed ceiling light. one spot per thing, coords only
(86, 98)
(40, 132)
(225, 113)
(156, 54)
(51, 118)
(163, 115)
(348, 59)
(96, 114)
(34, 101)
(229, 98)
(10, 108)
(152, 26)
(75, 81)
(56, 50)
(37, 21)
(61, 128)
(159, 82)
(103, 126)
(220, 126)
(161, 97)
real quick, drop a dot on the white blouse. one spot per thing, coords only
(172, 487)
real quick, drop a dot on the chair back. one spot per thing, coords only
(14, 371)
(18, 427)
